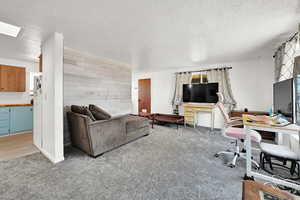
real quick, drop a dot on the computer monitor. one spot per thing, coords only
(283, 98)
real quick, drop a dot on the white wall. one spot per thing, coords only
(17, 97)
(251, 83)
(52, 99)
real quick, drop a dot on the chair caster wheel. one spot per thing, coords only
(217, 155)
(231, 165)
(228, 150)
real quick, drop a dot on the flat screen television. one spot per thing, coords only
(200, 93)
(283, 98)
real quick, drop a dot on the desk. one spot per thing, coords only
(291, 129)
(191, 113)
(240, 113)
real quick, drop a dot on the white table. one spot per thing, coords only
(191, 112)
(291, 129)
(212, 117)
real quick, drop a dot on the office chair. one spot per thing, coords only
(235, 133)
(229, 121)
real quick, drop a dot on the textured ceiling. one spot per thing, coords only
(153, 33)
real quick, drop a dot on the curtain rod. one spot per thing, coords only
(205, 70)
(290, 39)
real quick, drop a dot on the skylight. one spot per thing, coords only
(8, 29)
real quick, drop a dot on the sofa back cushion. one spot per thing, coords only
(89, 113)
(83, 110)
(77, 109)
(99, 113)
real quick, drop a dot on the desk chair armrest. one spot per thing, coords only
(236, 118)
(235, 122)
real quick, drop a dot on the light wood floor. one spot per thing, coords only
(15, 146)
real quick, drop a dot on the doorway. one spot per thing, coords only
(144, 100)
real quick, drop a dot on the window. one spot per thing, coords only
(199, 78)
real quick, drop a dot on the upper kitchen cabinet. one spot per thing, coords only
(12, 79)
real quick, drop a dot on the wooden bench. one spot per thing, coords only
(173, 119)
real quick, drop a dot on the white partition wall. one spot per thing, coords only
(90, 79)
(51, 117)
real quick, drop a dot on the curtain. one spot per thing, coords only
(287, 61)
(278, 58)
(181, 78)
(221, 76)
(297, 88)
(284, 69)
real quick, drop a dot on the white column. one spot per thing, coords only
(52, 98)
(248, 150)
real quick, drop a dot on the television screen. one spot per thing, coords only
(283, 98)
(187, 92)
(211, 93)
(200, 93)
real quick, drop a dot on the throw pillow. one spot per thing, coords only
(83, 110)
(89, 113)
(99, 113)
(78, 109)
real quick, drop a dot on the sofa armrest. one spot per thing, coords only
(78, 126)
(107, 134)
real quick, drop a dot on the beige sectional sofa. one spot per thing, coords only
(97, 137)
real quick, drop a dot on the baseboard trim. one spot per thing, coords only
(47, 155)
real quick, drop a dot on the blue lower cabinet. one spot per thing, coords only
(4, 121)
(21, 119)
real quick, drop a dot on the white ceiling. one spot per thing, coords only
(153, 33)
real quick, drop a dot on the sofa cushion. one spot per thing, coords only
(83, 110)
(78, 109)
(135, 122)
(99, 113)
(89, 113)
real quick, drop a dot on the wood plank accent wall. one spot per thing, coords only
(91, 80)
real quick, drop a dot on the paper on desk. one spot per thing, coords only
(263, 119)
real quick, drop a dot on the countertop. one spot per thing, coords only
(13, 105)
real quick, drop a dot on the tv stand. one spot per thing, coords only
(191, 111)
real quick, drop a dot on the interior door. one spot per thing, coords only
(145, 95)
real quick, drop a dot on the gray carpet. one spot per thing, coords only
(166, 165)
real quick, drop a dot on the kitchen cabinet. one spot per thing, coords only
(12, 79)
(21, 119)
(15, 119)
(4, 121)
